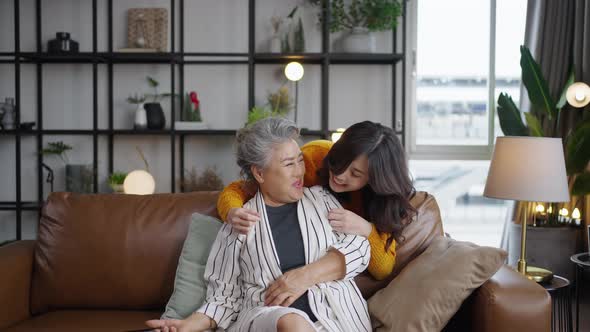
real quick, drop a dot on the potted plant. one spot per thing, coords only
(140, 120)
(190, 117)
(79, 177)
(278, 103)
(360, 19)
(543, 119)
(116, 181)
(154, 111)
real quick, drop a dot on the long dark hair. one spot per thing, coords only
(386, 197)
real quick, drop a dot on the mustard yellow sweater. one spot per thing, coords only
(382, 261)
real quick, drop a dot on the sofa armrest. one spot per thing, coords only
(16, 264)
(511, 302)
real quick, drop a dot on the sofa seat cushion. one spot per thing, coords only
(87, 321)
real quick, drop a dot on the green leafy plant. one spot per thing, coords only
(278, 104)
(57, 149)
(375, 15)
(156, 96)
(544, 119)
(136, 99)
(117, 178)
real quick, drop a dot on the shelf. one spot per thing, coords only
(27, 206)
(287, 57)
(124, 57)
(82, 57)
(365, 58)
(132, 132)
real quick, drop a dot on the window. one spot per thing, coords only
(464, 54)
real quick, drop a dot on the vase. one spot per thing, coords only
(360, 40)
(62, 44)
(79, 178)
(275, 44)
(155, 116)
(140, 121)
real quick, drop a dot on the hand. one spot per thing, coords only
(242, 219)
(349, 222)
(196, 322)
(287, 288)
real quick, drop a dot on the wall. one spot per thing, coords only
(356, 92)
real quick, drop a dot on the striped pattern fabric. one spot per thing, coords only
(241, 267)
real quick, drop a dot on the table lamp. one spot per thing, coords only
(139, 182)
(529, 169)
(294, 72)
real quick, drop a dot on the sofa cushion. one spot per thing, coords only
(111, 251)
(190, 286)
(86, 320)
(430, 290)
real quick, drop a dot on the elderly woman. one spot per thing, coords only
(292, 271)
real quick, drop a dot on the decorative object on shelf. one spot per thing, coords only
(147, 28)
(337, 134)
(116, 181)
(139, 181)
(208, 180)
(530, 169)
(543, 120)
(79, 177)
(276, 23)
(278, 104)
(294, 73)
(26, 126)
(360, 18)
(8, 113)
(50, 176)
(154, 111)
(62, 44)
(293, 36)
(140, 119)
(190, 118)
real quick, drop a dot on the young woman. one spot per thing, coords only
(366, 169)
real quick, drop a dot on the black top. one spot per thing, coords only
(288, 241)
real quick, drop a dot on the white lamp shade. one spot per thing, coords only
(528, 169)
(139, 182)
(578, 94)
(294, 71)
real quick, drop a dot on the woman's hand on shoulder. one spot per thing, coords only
(348, 222)
(242, 219)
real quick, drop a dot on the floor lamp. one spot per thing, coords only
(528, 169)
(294, 72)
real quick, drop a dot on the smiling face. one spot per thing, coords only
(281, 181)
(353, 178)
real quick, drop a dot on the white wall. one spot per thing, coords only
(356, 92)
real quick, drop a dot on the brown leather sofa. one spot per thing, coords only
(107, 263)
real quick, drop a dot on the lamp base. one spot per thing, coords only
(538, 274)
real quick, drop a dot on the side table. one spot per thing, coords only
(582, 262)
(561, 303)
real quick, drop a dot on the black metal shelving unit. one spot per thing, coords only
(177, 58)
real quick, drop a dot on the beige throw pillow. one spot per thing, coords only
(431, 288)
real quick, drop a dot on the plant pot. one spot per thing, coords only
(140, 121)
(546, 247)
(79, 178)
(117, 188)
(360, 40)
(155, 116)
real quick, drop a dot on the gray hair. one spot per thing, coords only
(256, 141)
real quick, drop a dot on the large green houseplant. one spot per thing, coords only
(543, 119)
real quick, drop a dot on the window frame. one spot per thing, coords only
(446, 152)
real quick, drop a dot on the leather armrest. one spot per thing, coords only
(16, 264)
(511, 302)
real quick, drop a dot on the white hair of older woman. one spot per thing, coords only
(255, 142)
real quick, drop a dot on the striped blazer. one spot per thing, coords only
(241, 267)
